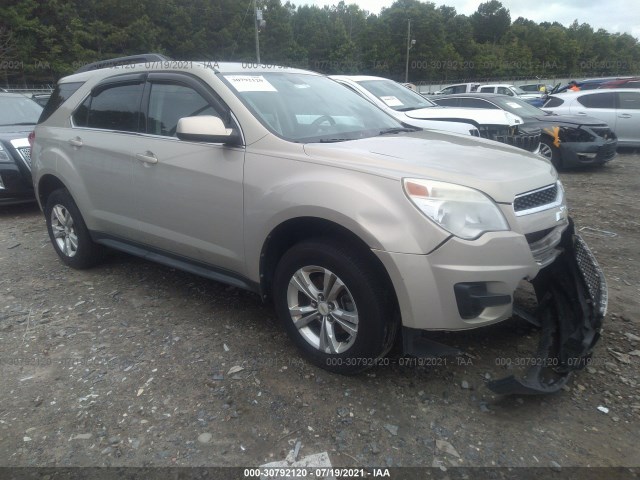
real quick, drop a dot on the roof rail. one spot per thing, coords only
(130, 60)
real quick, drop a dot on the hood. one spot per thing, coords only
(569, 120)
(498, 170)
(478, 115)
(11, 132)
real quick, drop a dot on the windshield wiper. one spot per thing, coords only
(19, 123)
(397, 130)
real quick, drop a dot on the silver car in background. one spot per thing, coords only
(618, 107)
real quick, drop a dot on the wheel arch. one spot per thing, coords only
(46, 185)
(295, 230)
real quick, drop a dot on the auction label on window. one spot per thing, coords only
(250, 83)
(392, 101)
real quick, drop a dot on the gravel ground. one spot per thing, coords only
(136, 364)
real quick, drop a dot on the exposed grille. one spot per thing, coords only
(25, 153)
(593, 276)
(524, 141)
(535, 199)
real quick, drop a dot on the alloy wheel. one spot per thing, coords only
(64, 231)
(322, 309)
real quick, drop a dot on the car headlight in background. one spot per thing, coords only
(463, 211)
(4, 156)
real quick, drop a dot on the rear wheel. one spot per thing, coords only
(334, 306)
(552, 153)
(68, 232)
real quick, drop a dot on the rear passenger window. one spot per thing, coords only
(553, 102)
(598, 100)
(486, 90)
(477, 103)
(447, 102)
(114, 108)
(629, 100)
(60, 95)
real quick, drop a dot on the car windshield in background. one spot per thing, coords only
(309, 108)
(517, 106)
(519, 91)
(18, 110)
(396, 96)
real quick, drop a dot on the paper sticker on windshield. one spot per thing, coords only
(513, 105)
(391, 101)
(250, 83)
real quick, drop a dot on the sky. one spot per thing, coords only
(615, 16)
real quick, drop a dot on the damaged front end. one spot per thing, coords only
(572, 302)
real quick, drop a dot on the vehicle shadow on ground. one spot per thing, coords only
(19, 209)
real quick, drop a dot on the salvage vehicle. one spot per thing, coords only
(18, 117)
(510, 90)
(414, 109)
(618, 107)
(360, 229)
(567, 140)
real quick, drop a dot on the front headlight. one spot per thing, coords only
(463, 211)
(4, 156)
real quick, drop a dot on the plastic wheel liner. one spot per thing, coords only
(572, 302)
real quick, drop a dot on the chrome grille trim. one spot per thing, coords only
(25, 153)
(24, 150)
(537, 200)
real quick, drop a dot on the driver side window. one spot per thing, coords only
(168, 103)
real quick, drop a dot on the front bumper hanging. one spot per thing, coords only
(572, 302)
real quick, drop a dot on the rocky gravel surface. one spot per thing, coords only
(136, 364)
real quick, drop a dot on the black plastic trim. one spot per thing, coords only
(472, 298)
(175, 261)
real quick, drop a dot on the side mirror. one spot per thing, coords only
(206, 128)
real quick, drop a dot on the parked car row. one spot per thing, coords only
(361, 228)
(567, 140)
(413, 109)
(500, 88)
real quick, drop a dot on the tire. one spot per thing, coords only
(354, 308)
(68, 232)
(552, 153)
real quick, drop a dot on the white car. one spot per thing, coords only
(507, 89)
(458, 88)
(618, 107)
(414, 109)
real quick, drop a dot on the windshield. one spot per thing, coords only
(309, 108)
(517, 106)
(396, 96)
(18, 110)
(518, 90)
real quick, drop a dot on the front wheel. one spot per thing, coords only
(68, 232)
(334, 305)
(552, 153)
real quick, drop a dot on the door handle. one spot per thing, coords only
(75, 142)
(624, 115)
(147, 157)
(581, 113)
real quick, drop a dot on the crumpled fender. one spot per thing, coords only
(572, 303)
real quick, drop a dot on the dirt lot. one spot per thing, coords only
(136, 364)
